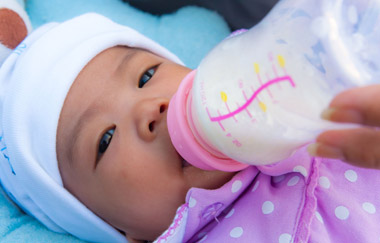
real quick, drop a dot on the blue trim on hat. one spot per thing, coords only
(3, 150)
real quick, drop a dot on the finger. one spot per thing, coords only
(359, 105)
(359, 147)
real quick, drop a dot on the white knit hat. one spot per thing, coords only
(34, 82)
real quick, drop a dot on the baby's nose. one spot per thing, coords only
(151, 117)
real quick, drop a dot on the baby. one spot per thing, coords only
(123, 83)
(85, 150)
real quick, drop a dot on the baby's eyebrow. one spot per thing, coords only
(85, 118)
(132, 52)
(91, 112)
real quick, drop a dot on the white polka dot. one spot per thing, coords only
(293, 181)
(267, 207)
(236, 186)
(236, 232)
(324, 182)
(278, 179)
(319, 217)
(285, 238)
(301, 170)
(256, 186)
(351, 175)
(342, 212)
(230, 213)
(192, 202)
(369, 207)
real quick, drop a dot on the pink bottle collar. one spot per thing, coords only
(183, 139)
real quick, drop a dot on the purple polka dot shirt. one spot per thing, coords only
(300, 199)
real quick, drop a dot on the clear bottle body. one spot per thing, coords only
(257, 97)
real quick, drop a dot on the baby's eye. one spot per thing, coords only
(105, 142)
(146, 76)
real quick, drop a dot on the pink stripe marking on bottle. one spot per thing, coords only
(252, 98)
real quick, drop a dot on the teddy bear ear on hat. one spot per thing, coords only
(14, 26)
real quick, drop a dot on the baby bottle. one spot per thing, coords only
(257, 96)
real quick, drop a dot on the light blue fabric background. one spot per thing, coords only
(190, 33)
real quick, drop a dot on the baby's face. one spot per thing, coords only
(113, 146)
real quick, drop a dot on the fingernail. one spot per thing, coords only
(312, 149)
(342, 115)
(327, 113)
(323, 150)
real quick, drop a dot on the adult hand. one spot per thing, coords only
(360, 146)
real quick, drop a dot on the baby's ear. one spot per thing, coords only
(14, 26)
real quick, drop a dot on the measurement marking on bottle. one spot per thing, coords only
(270, 55)
(230, 114)
(224, 98)
(249, 99)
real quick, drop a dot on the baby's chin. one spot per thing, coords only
(206, 179)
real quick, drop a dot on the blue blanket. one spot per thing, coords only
(189, 32)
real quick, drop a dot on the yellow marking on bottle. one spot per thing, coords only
(281, 61)
(257, 67)
(263, 106)
(223, 96)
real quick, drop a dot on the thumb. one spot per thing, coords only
(358, 105)
(359, 147)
